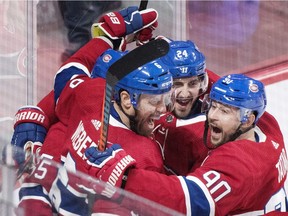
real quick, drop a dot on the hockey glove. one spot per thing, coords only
(110, 166)
(30, 129)
(118, 25)
(145, 35)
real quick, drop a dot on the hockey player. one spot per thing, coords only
(180, 133)
(191, 61)
(245, 170)
(111, 35)
(32, 122)
(140, 98)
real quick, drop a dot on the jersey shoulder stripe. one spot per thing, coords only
(114, 122)
(76, 65)
(183, 122)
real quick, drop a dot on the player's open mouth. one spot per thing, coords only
(183, 102)
(149, 124)
(151, 121)
(215, 131)
(153, 118)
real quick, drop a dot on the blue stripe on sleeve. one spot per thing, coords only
(198, 199)
(63, 77)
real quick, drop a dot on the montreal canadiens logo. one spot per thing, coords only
(253, 88)
(107, 58)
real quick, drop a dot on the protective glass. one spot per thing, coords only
(244, 113)
(206, 103)
(160, 102)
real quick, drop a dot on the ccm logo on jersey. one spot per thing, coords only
(81, 140)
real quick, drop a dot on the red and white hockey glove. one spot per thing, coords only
(30, 129)
(145, 35)
(110, 166)
(118, 25)
(33, 149)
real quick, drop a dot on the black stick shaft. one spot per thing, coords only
(143, 5)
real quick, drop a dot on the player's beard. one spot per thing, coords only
(142, 125)
(137, 123)
(226, 137)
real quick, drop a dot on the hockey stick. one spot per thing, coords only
(143, 5)
(131, 61)
(25, 168)
(9, 151)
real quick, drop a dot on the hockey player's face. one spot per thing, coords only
(223, 122)
(149, 108)
(187, 92)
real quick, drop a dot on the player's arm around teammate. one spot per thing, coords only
(247, 157)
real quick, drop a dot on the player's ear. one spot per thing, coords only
(250, 120)
(125, 101)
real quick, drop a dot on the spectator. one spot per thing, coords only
(78, 16)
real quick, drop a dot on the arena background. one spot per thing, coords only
(235, 36)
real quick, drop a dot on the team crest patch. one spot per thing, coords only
(107, 58)
(169, 118)
(253, 88)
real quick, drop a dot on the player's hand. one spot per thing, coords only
(124, 24)
(110, 166)
(30, 126)
(145, 35)
(32, 149)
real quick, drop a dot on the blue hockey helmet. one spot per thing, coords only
(151, 78)
(185, 60)
(105, 61)
(240, 91)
